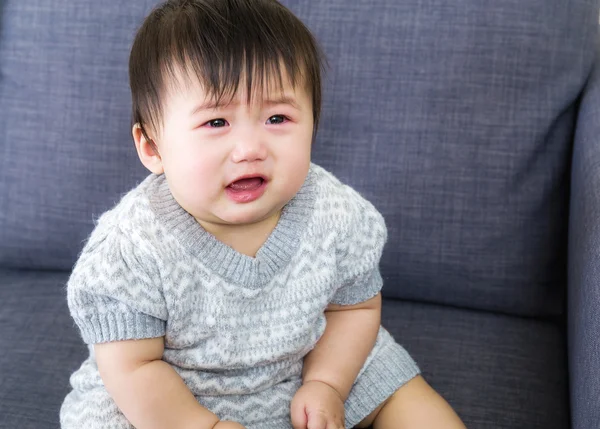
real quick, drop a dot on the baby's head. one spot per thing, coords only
(226, 100)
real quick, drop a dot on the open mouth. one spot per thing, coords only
(246, 189)
(246, 184)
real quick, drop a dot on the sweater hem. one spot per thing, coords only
(390, 368)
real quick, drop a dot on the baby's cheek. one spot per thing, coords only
(197, 175)
(297, 171)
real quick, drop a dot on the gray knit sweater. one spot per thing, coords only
(236, 328)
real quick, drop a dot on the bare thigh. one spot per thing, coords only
(414, 405)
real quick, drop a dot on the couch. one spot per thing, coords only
(472, 125)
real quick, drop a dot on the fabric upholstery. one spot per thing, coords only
(39, 348)
(65, 127)
(584, 260)
(456, 120)
(497, 371)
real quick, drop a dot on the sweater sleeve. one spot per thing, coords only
(114, 291)
(359, 250)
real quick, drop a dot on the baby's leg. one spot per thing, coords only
(414, 406)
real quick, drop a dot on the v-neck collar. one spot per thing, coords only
(228, 263)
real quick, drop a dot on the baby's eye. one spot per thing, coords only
(276, 119)
(216, 123)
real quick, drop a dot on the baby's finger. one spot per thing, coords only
(316, 421)
(298, 415)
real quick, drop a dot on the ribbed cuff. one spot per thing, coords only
(390, 368)
(360, 290)
(110, 327)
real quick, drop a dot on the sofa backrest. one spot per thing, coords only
(65, 134)
(454, 118)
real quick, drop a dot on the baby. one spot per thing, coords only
(237, 286)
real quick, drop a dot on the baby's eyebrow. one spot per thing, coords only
(213, 105)
(285, 99)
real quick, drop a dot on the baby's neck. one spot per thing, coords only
(246, 239)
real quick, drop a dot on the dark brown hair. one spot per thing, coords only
(220, 42)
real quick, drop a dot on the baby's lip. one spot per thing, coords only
(248, 176)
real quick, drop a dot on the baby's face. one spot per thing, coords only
(238, 163)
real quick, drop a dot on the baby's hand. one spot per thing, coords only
(317, 405)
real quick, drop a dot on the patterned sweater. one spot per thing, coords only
(236, 328)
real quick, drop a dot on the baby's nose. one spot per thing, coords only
(248, 149)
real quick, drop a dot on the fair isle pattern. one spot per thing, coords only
(236, 328)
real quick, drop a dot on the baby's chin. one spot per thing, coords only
(240, 215)
(247, 216)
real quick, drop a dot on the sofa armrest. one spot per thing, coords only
(584, 262)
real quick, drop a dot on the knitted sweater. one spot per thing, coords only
(236, 328)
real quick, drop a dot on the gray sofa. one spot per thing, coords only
(473, 125)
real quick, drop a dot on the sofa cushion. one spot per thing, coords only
(499, 372)
(39, 348)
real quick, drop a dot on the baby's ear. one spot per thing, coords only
(147, 150)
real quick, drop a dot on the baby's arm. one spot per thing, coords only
(148, 391)
(354, 311)
(345, 345)
(331, 368)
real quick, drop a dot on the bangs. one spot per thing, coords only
(221, 44)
